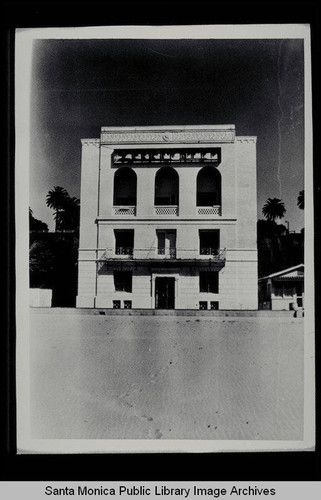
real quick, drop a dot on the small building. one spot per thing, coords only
(168, 219)
(283, 290)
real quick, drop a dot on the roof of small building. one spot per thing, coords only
(285, 273)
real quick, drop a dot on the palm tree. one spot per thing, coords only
(273, 209)
(68, 217)
(56, 198)
(300, 202)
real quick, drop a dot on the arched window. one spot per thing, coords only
(125, 187)
(166, 187)
(208, 187)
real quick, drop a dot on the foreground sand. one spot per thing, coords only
(166, 377)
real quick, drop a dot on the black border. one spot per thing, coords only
(258, 466)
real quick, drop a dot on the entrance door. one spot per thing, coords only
(165, 293)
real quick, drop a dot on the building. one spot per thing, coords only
(168, 219)
(283, 290)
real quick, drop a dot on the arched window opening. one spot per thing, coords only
(208, 187)
(125, 187)
(166, 187)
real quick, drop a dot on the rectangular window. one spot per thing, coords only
(124, 242)
(166, 243)
(123, 281)
(116, 304)
(214, 306)
(278, 289)
(161, 242)
(209, 242)
(127, 304)
(209, 282)
(203, 305)
(288, 290)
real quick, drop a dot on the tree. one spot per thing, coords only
(41, 265)
(273, 209)
(68, 217)
(56, 199)
(35, 224)
(300, 201)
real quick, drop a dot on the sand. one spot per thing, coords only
(166, 377)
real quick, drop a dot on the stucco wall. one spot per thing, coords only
(40, 297)
(237, 225)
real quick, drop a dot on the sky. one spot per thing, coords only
(78, 86)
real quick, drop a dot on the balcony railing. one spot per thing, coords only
(147, 256)
(214, 210)
(209, 251)
(124, 251)
(124, 210)
(166, 210)
(171, 253)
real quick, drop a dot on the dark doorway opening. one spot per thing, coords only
(165, 293)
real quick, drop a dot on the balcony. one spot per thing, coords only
(124, 252)
(213, 210)
(168, 254)
(209, 251)
(124, 210)
(166, 210)
(154, 257)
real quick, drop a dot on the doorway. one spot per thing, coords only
(165, 293)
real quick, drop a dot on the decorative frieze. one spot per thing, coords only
(165, 137)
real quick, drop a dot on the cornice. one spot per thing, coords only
(91, 142)
(246, 139)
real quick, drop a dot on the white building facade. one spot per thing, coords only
(168, 219)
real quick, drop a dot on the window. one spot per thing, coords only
(166, 187)
(208, 187)
(116, 304)
(203, 305)
(127, 304)
(288, 290)
(123, 281)
(125, 187)
(124, 242)
(214, 306)
(209, 242)
(166, 243)
(209, 281)
(278, 289)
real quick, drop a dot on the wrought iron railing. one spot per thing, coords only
(124, 251)
(170, 253)
(218, 253)
(145, 254)
(209, 251)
